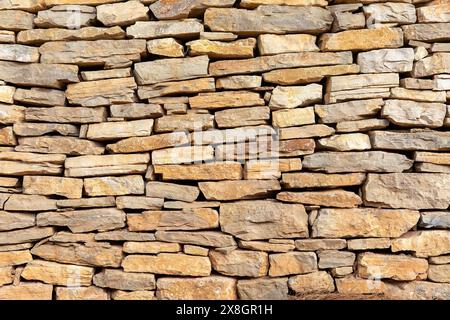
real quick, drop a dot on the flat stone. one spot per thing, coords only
(23, 163)
(280, 220)
(269, 44)
(92, 53)
(218, 36)
(25, 5)
(183, 155)
(363, 222)
(171, 69)
(346, 142)
(58, 144)
(7, 136)
(369, 244)
(40, 97)
(242, 48)
(69, 237)
(13, 258)
(279, 61)
(133, 295)
(414, 114)
(348, 111)
(87, 202)
(269, 19)
(434, 13)
(133, 202)
(176, 87)
(189, 219)
(386, 60)
(238, 82)
(6, 276)
(7, 36)
(407, 190)
(320, 244)
(117, 279)
(293, 117)
(180, 9)
(419, 84)
(58, 274)
(238, 190)
(11, 114)
(201, 238)
(308, 75)
(40, 36)
(66, 114)
(241, 263)
(62, 17)
(82, 293)
(171, 191)
(13, 220)
(124, 235)
(195, 250)
(263, 288)
(25, 235)
(439, 273)
(361, 81)
(102, 92)
(415, 140)
(7, 94)
(435, 219)
(122, 14)
(207, 171)
(37, 74)
(362, 125)
(102, 219)
(114, 186)
(152, 247)
(265, 246)
(181, 29)
(116, 130)
(332, 198)
(169, 264)
(423, 243)
(387, 266)
(346, 20)
(18, 53)
(213, 287)
(282, 264)
(435, 64)
(307, 131)
(316, 282)
(418, 95)
(42, 185)
(297, 96)
(367, 161)
(143, 144)
(79, 254)
(354, 285)
(166, 47)
(427, 32)
(335, 259)
(106, 74)
(362, 40)
(251, 4)
(136, 110)
(440, 259)
(27, 291)
(402, 13)
(103, 165)
(317, 180)
(23, 202)
(234, 99)
(237, 117)
(16, 20)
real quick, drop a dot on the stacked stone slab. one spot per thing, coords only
(253, 149)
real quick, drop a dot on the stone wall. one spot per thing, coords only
(224, 149)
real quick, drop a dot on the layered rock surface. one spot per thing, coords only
(205, 149)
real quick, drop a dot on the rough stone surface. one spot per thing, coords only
(223, 149)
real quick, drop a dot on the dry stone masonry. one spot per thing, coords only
(233, 149)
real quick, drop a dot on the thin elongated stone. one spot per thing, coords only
(184, 29)
(66, 114)
(415, 140)
(265, 19)
(57, 144)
